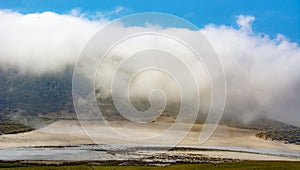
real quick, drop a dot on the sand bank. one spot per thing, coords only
(69, 132)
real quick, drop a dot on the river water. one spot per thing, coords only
(118, 152)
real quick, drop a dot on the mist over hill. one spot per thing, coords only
(32, 101)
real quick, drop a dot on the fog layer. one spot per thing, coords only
(262, 73)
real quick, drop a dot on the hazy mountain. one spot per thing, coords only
(29, 95)
(30, 101)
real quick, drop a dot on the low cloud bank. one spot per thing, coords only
(43, 42)
(262, 73)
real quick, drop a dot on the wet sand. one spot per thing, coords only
(69, 132)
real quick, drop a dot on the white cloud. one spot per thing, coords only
(75, 12)
(110, 13)
(262, 73)
(244, 22)
(118, 9)
(41, 42)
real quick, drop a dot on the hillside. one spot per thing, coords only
(32, 101)
(23, 97)
(29, 95)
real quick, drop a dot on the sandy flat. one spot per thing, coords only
(66, 132)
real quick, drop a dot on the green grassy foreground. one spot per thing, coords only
(247, 165)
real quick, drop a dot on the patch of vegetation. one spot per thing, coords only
(287, 135)
(246, 165)
(24, 124)
(10, 128)
(271, 130)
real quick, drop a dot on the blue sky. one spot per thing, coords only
(271, 16)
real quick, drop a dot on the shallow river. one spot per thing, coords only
(121, 152)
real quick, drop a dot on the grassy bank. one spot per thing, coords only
(23, 124)
(10, 128)
(246, 165)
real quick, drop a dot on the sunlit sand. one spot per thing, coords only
(69, 132)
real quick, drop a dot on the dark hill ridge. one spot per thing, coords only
(28, 101)
(31, 95)
(23, 97)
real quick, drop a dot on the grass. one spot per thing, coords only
(9, 128)
(246, 165)
(287, 135)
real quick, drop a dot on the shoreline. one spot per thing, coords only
(146, 154)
